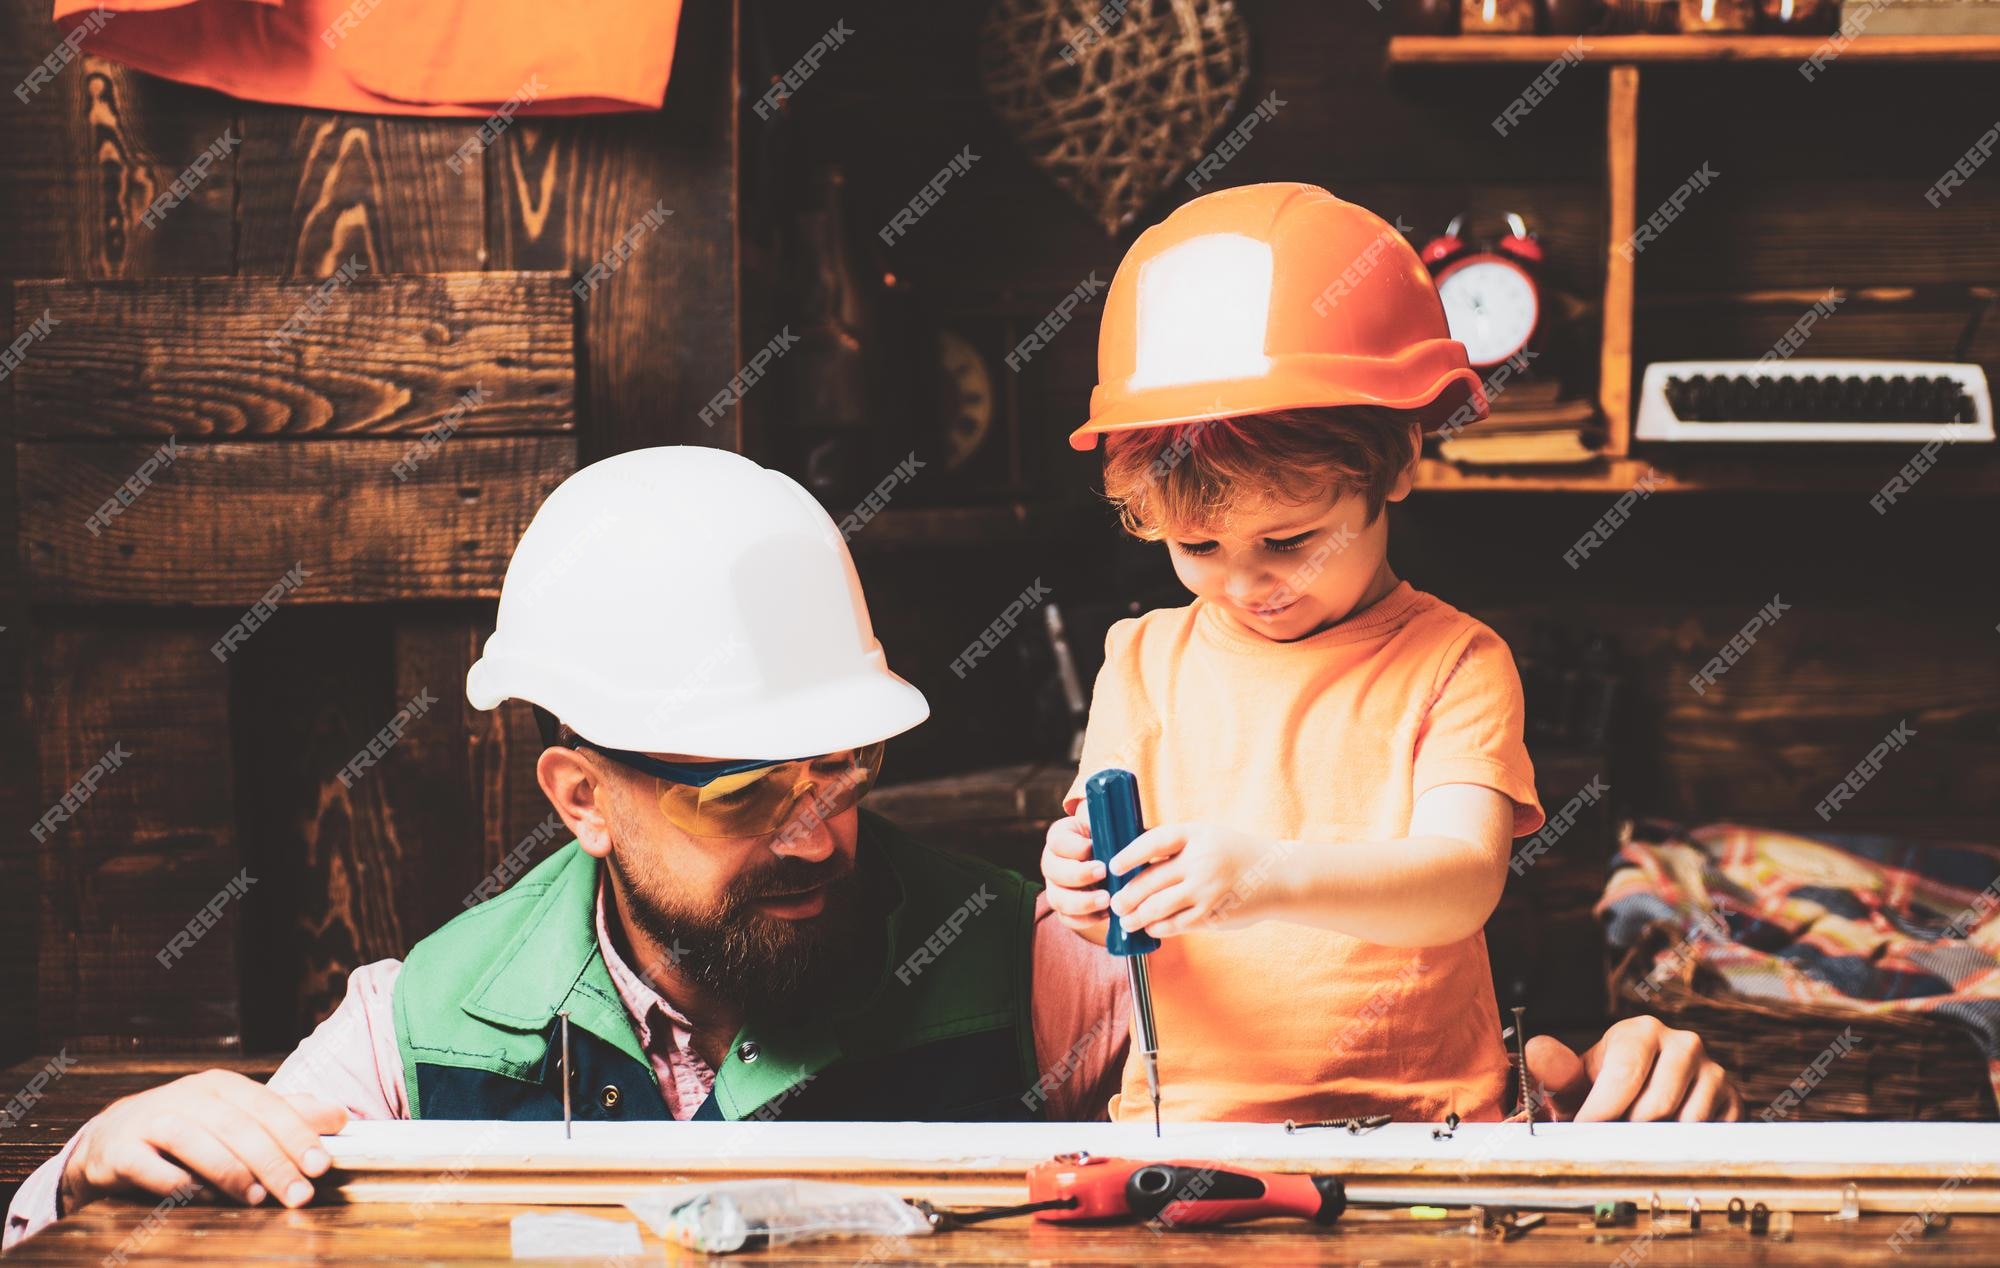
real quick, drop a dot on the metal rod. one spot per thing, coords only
(1521, 1048)
(1144, 1038)
(565, 1070)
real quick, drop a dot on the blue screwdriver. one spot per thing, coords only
(1112, 797)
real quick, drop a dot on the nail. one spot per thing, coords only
(298, 1194)
(254, 1194)
(316, 1160)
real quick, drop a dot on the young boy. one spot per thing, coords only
(1332, 760)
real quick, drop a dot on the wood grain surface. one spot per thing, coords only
(92, 1081)
(381, 356)
(223, 522)
(480, 1234)
(147, 847)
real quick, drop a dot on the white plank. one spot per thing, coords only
(1788, 1166)
(1821, 1148)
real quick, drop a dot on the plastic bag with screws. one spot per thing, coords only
(732, 1215)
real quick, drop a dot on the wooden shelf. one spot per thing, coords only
(1859, 475)
(1623, 56)
(916, 527)
(1538, 50)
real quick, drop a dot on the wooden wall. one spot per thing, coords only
(284, 457)
(1820, 184)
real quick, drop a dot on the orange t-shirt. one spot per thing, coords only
(1327, 739)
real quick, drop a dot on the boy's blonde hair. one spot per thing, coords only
(1196, 476)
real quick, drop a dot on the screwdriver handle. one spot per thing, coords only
(1112, 796)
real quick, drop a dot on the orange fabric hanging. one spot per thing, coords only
(410, 57)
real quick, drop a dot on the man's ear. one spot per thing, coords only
(577, 791)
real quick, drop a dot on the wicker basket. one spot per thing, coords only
(1901, 1066)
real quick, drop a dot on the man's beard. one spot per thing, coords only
(759, 960)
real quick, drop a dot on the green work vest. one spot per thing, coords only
(941, 1030)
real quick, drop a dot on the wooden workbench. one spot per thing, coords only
(465, 1234)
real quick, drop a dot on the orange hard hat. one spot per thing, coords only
(1273, 297)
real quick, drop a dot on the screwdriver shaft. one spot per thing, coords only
(1144, 1037)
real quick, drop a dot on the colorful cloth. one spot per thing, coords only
(1873, 924)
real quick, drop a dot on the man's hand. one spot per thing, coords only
(1199, 874)
(1641, 1070)
(1072, 877)
(218, 1126)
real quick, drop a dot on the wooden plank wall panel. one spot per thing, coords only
(1888, 621)
(662, 331)
(223, 522)
(141, 856)
(400, 575)
(1821, 183)
(504, 747)
(85, 156)
(143, 134)
(357, 855)
(19, 853)
(157, 841)
(379, 866)
(1840, 199)
(363, 871)
(1922, 328)
(35, 168)
(192, 357)
(438, 798)
(320, 189)
(311, 689)
(1773, 232)
(378, 863)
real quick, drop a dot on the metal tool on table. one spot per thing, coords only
(1182, 1193)
(1521, 1067)
(1359, 1125)
(565, 1070)
(1112, 797)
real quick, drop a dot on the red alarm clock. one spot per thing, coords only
(1492, 300)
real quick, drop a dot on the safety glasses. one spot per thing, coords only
(754, 798)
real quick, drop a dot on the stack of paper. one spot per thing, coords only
(1522, 432)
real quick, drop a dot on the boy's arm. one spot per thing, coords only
(1472, 790)
(1431, 888)
(1434, 887)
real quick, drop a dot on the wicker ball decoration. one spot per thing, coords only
(1115, 101)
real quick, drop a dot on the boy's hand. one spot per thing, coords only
(1201, 874)
(1072, 876)
(217, 1126)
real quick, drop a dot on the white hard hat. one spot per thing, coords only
(686, 600)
